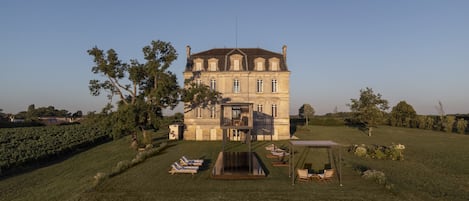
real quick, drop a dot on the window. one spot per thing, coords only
(236, 113)
(236, 64)
(274, 86)
(259, 63)
(274, 66)
(274, 110)
(260, 107)
(213, 112)
(212, 64)
(198, 66)
(213, 84)
(236, 87)
(260, 86)
(198, 112)
(198, 82)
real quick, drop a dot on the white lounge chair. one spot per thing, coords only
(175, 170)
(270, 147)
(193, 162)
(280, 153)
(179, 166)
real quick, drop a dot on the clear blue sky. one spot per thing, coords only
(411, 50)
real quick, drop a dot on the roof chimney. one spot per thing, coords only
(188, 51)
(284, 52)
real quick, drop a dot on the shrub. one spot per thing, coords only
(327, 121)
(99, 178)
(140, 157)
(120, 167)
(393, 152)
(449, 123)
(461, 125)
(375, 175)
(421, 121)
(360, 151)
(148, 146)
(378, 154)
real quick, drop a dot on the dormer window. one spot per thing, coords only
(274, 64)
(259, 63)
(236, 62)
(212, 64)
(198, 64)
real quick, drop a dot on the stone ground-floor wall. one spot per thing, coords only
(214, 133)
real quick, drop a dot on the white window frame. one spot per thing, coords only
(260, 64)
(198, 66)
(274, 66)
(236, 86)
(274, 110)
(260, 107)
(260, 86)
(213, 112)
(198, 112)
(274, 86)
(212, 64)
(236, 62)
(236, 65)
(213, 84)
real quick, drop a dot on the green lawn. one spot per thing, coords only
(435, 168)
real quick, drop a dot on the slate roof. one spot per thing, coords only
(223, 54)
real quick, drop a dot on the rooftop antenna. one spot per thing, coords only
(236, 32)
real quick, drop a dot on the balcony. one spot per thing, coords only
(236, 116)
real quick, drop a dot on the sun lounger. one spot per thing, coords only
(187, 167)
(280, 153)
(270, 147)
(175, 170)
(193, 162)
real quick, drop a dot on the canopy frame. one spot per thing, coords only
(314, 144)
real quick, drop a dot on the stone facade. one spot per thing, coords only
(242, 75)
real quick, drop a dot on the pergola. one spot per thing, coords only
(314, 144)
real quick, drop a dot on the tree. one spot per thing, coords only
(143, 89)
(31, 114)
(461, 125)
(402, 114)
(150, 81)
(448, 123)
(430, 121)
(3, 116)
(369, 108)
(198, 95)
(441, 121)
(422, 120)
(306, 111)
(77, 114)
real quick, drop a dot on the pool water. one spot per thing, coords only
(238, 165)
